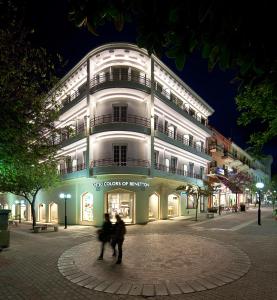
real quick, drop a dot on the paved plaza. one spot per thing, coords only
(228, 257)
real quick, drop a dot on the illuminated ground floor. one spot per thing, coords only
(136, 199)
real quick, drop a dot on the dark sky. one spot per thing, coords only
(57, 34)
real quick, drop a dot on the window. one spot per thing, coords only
(173, 164)
(190, 140)
(156, 157)
(172, 131)
(192, 112)
(191, 167)
(185, 168)
(201, 172)
(120, 113)
(156, 122)
(120, 155)
(167, 165)
(159, 87)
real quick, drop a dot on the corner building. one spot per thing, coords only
(131, 132)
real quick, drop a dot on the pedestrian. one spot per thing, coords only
(119, 231)
(104, 234)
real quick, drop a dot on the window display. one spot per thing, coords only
(87, 209)
(173, 206)
(122, 204)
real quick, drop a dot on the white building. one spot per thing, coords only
(137, 132)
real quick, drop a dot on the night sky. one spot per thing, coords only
(54, 32)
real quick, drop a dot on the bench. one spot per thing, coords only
(210, 215)
(44, 227)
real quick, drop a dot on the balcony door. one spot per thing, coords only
(120, 155)
(120, 113)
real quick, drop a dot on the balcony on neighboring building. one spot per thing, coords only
(128, 166)
(214, 147)
(127, 122)
(119, 80)
(227, 157)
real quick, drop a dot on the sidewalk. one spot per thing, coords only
(171, 258)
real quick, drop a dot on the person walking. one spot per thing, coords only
(119, 231)
(104, 234)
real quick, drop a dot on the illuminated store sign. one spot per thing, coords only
(121, 184)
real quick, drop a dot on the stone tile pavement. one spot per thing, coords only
(162, 260)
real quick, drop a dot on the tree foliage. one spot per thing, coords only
(196, 191)
(27, 178)
(236, 36)
(28, 112)
(26, 76)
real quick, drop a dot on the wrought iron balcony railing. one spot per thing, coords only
(98, 80)
(179, 103)
(66, 134)
(71, 169)
(178, 137)
(172, 170)
(109, 118)
(110, 162)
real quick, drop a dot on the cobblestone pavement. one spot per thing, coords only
(161, 257)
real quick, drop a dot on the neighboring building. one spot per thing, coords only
(137, 132)
(228, 160)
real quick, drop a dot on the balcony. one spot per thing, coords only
(69, 135)
(72, 169)
(227, 157)
(117, 80)
(188, 145)
(174, 171)
(213, 147)
(71, 100)
(129, 123)
(177, 105)
(130, 166)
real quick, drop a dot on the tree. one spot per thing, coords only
(27, 73)
(229, 37)
(238, 182)
(27, 178)
(196, 191)
(28, 111)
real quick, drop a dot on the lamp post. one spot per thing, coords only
(65, 197)
(259, 186)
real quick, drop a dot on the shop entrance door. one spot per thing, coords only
(121, 204)
(154, 207)
(173, 206)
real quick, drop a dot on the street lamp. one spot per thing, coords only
(65, 196)
(259, 186)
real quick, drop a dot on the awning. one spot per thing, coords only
(222, 179)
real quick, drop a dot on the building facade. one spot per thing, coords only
(228, 161)
(131, 132)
